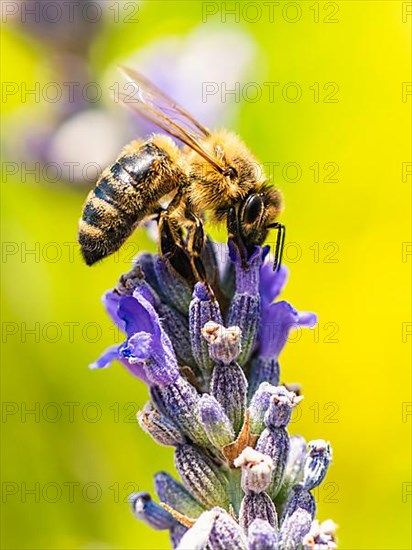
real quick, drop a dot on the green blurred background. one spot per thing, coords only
(82, 452)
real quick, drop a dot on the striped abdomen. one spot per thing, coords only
(125, 194)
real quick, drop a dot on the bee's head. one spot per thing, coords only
(256, 213)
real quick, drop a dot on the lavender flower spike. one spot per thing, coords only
(205, 352)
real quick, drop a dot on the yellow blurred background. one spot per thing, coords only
(334, 125)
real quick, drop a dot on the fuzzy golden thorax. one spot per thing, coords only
(214, 191)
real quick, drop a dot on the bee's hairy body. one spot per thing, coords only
(213, 174)
(147, 171)
(126, 193)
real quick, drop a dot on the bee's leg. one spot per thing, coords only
(195, 246)
(173, 249)
(234, 233)
(280, 242)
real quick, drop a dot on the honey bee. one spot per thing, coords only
(214, 174)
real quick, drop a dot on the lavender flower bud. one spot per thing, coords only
(294, 469)
(262, 536)
(280, 408)
(177, 329)
(294, 529)
(215, 530)
(275, 443)
(244, 311)
(144, 508)
(229, 387)
(174, 494)
(172, 289)
(263, 369)
(321, 536)
(259, 405)
(147, 262)
(179, 401)
(202, 310)
(215, 422)
(300, 498)
(256, 470)
(201, 476)
(226, 533)
(257, 505)
(161, 428)
(317, 462)
(224, 343)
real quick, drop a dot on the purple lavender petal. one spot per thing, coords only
(138, 315)
(271, 282)
(277, 321)
(108, 356)
(138, 347)
(111, 302)
(148, 352)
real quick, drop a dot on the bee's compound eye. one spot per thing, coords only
(230, 173)
(253, 208)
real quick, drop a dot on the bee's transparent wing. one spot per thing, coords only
(164, 112)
